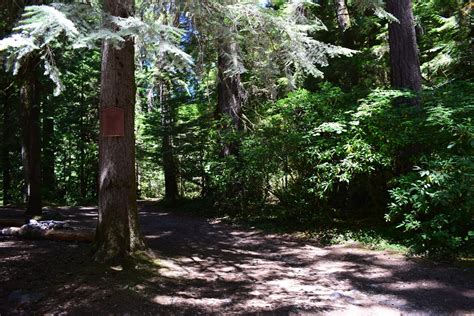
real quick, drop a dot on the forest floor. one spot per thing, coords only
(208, 267)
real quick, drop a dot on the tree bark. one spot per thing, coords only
(31, 147)
(229, 94)
(118, 235)
(49, 179)
(169, 162)
(6, 147)
(342, 14)
(404, 60)
(229, 108)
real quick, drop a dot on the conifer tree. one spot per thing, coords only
(31, 130)
(229, 92)
(118, 234)
(404, 60)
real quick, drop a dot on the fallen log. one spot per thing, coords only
(57, 235)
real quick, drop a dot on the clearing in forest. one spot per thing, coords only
(207, 267)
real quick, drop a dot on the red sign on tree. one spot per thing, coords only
(112, 122)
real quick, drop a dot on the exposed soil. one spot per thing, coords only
(207, 267)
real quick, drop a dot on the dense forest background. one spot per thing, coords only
(294, 143)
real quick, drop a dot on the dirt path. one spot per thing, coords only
(208, 267)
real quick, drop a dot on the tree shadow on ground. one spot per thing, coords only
(207, 267)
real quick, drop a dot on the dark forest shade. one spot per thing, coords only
(9, 10)
(404, 60)
(6, 147)
(118, 233)
(168, 156)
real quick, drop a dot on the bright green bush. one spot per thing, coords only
(434, 202)
(311, 146)
(435, 205)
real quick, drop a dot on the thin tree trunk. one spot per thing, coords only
(118, 235)
(170, 167)
(404, 61)
(82, 145)
(31, 147)
(6, 147)
(82, 169)
(82, 157)
(49, 179)
(342, 14)
(169, 162)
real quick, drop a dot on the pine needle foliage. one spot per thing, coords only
(41, 27)
(377, 7)
(271, 41)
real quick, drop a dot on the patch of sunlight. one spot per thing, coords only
(162, 234)
(117, 268)
(254, 303)
(328, 267)
(354, 310)
(285, 286)
(88, 208)
(204, 302)
(432, 285)
(172, 269)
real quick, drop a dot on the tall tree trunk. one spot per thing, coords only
(31, 147)
(404, 61)
(6, 148)
(169, 162)
(31, 129)
(49, 179)
(229, 107)
(342, 14)
(350, 72)
(229, 93)
(118, 235)
(82, 156)
(404, 66)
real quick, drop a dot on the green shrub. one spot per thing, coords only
(434, 203)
